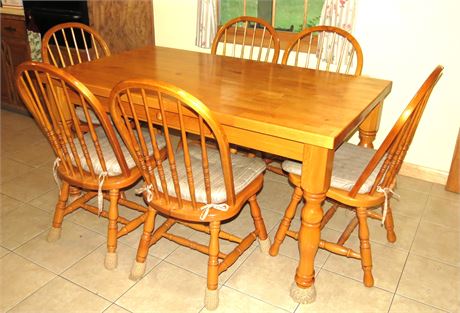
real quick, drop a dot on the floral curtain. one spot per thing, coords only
(338, 13)
(206, 24)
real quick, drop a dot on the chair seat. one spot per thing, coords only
(349, 161)
(245, 171)
(113, 168)
(82, 117)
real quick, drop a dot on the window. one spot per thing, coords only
(284, 15)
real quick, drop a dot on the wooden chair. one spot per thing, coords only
(95, 162)
(366, 190)
(68, 44)
(247, 37)
(72, 43)
(197, 187)
(325, 48)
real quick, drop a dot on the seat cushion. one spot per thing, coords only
(82, 117)
(349, 162)
(245, 170)
(113, 168)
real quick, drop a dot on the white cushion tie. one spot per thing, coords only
(56, 178)
(205, 209)
(100, 198)
(386, 191)
(148, 191)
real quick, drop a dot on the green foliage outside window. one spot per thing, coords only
(289, 13)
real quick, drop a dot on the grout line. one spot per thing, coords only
(261, 300)
(408, 254)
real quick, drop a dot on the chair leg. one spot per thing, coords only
(329, 214)
(389, 226)
(55, 231)
(211, 299)
(138, 269)
(347, 232)
(264, 241)
(286, 221)
(111, 256)
(365, 247)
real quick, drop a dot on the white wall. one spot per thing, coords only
(402, 41)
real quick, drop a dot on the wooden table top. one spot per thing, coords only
(307, 106)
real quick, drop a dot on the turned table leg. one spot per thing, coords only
(368, 129)
(315, 181)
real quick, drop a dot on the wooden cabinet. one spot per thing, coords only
(15, 50)
(124, 25)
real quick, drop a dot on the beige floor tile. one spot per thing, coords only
(19, 278)
(197, 262)
(75, 243)
(431, 282)
(440, 191)
(243, 224)
(30, 185)
(92, 275)
(405, 228)
(3, 252)
(411, 203)
(388, 264)
(163, 247)
(10, 169)
(167, 288)
(437, 242)
(33, 155)
(266, 278)
(60, 295)
(232, 301)
(116, 309)
(275, 177)
(275, 195)
(405, 305)
(8, 204)
(336, 293)
(406, 182)
(290, 246)
(100, 224)
(443, 211)
(47, 201)
(14, 140)
(15, 122)
(22, 224)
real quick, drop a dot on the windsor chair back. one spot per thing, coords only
(325, 48)
(247, 37)
(72, 43)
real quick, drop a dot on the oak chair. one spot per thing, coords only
(72, 43)
(325, 48)
(247, 37)
(95, 161)
(362, 190)
(197, 186)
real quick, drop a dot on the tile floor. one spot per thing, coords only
(420, 273)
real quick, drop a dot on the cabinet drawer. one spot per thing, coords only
(13, 27)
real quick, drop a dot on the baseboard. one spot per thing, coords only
(423, 173)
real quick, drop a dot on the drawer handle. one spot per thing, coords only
(10, 29)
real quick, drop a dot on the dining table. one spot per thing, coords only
(291, 112)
